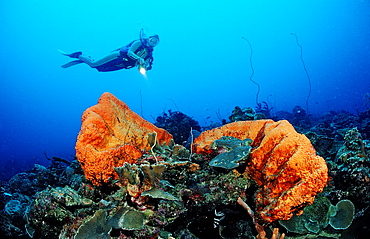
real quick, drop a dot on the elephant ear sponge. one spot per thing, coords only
(112, 134)
(283, 163)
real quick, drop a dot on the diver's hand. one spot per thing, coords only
(141, 61)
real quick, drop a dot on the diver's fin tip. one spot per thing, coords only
(62, 52)
(72, 63)
(71, 55)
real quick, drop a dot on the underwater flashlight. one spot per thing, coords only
(142, 70)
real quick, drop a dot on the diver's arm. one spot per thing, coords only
(132, 49)
(112, 56)
(148, 63)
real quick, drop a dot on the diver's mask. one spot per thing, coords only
(152, 41)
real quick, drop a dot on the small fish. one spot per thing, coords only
(218, 217)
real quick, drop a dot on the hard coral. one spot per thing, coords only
(112, 134)
(283, 163)
(178, 124)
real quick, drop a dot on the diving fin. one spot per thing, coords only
(62, 52)
(72, 63)
(72, 55)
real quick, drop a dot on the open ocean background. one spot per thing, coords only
(201, 65)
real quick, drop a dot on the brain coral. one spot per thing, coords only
(283, 163)
(112, 134)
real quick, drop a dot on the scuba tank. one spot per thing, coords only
(142, 36)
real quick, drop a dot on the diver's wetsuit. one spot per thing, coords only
(136, 52)
(126, 62)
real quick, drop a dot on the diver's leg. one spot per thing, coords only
(72, 63)
(112, 56)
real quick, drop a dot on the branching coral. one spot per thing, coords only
(259, 228)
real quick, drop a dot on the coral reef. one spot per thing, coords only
(112, 134)
(249, 113)
(95, 227)
(364, 118)
(314, 218)
(319, 215)
(282, 162)
(178, 125)
(350, 170)
(41, 177)
(264, 109)
(170, 191)
(143, 180)
(55, 205)
(259, 228)
(354, 146)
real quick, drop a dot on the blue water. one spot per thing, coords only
(201, 65)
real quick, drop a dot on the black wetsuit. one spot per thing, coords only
(124, 61)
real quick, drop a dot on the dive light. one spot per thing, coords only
(142, 70)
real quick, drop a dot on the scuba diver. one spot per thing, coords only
(137, 53)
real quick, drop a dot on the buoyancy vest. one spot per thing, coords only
(124, 50)
(124, 61)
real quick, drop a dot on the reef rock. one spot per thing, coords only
(283, 163)
(112, 134)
